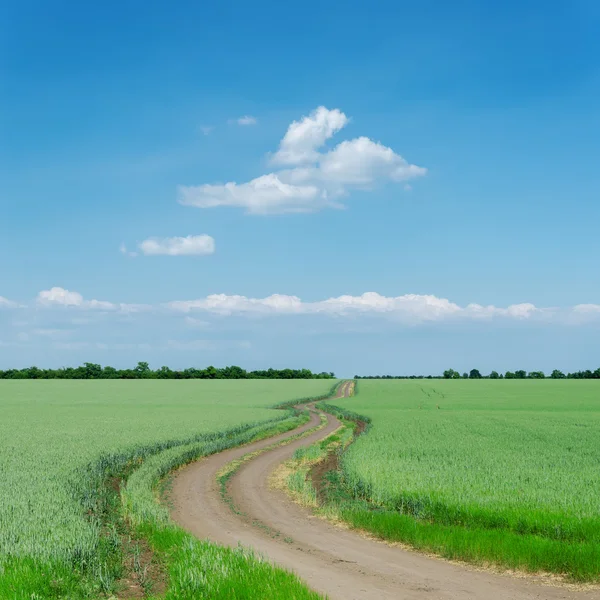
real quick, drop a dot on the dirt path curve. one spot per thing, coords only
(333, 561)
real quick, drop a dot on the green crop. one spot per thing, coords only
(59, 440)
(483, 459)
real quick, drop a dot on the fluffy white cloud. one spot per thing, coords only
(413, 308)
(302, 139)
(247, 120)
(58, 296)
(61, 297)
(313, 179)
(192, 245)
(517, 311)
(362, 162)
(263, 195)
(408, 308)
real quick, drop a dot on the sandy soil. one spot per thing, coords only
(332, 560)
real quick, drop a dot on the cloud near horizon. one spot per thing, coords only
(414, 308)
(411, 309)
(60, 297)
(309, 179)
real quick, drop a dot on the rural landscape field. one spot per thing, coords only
(60, 441)
(299, 301)
(496, 473)
(502, 472)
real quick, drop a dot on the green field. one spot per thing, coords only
(60, 439)
(505, 471)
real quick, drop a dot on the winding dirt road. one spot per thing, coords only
(332, 560)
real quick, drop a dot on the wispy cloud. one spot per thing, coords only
(123, 250)
(411, 309)
(191, 245)
(61, 297)
(245, 121)
(206, 129)
(309, 179)
(6, 303)
(196, 323)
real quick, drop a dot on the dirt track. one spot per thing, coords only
(332, 560)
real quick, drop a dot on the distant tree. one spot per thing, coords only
(110, 373)
(520, 374)
(537, 375)
(164, 373)
(33, 373)
(465, 376)
(451, 374)
(234, 372)
(142, 370)
(509, 375)
(474, 374)
(211, 372)
(494, 375)
(92, 371)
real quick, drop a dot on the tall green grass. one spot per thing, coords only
(59, 440)
(200, 569)
(503, 472)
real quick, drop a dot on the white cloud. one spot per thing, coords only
(123, 250)
(60, 297)
(587, 309)
(362, 162)
(227, 305)
(192, 245)
(412, 308)
(517, 311)
(313, 179)
(6, 303)
(206, 129)
(302, 139)
(409, 309)
(247, 120)
(263, 195)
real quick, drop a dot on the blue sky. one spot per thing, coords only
(416, 184)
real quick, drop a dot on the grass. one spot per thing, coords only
(489, 472)
(200, 569)
(60, 440)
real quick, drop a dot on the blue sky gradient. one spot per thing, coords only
(107, 110)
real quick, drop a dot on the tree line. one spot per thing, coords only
(476, 374)
(143, 371)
